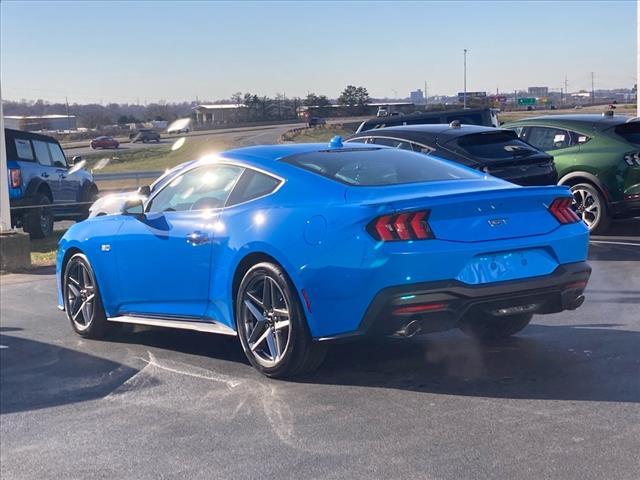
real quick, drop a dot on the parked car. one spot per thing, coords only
(598, 156)
(494, 151)
(41, 176)
(145, 135)
(316, 122)
(178, 130)
(391, 243)
(104, 142)
(470, 116)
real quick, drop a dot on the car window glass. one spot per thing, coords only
(630, 131)
(548, 138)
(378, 167)
(42, 152)
(198, 189)
(495, 145)
(357, 140)
(252, 185)
(23, 149)
(57, 155)
(389, 142)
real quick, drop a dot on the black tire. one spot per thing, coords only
(38, 222)
(89, 193)
(299, 354)
(489, 327)
(82, 301)
(585, 197)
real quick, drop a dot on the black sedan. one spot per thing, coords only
(494, 151)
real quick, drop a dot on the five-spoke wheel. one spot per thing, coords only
(271, 324)
(81, 298)
(590, 205)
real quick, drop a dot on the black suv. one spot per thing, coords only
(494, 151)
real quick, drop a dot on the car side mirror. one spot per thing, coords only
(74, 160)
(133, 207)
(144, 191)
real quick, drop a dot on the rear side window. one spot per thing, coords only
(252, 185)
(57, 156)
(391, 142)
(23, 149)
(494, 146)
(629, 131)
(42, 153)
(548, 138)
(369, 167)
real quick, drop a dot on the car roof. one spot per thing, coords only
(593, 120)
(417, 132)
(10, 132)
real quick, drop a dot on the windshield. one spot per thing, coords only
(378, 167)
(629, 131)
(500, 145)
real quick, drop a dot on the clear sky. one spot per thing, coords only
(123, 51)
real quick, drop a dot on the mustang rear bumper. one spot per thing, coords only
(435, 306)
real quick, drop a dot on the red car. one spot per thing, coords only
(104, 142)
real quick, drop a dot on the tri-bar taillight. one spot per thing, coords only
(401, 227)
(15, 177)
(561, 209)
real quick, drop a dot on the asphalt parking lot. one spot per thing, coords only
(560, 400)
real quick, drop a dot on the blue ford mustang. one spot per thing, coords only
(292, 246)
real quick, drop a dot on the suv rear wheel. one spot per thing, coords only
(38, 222)
(591, 206)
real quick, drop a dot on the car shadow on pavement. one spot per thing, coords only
(38, 375)
(579, 363)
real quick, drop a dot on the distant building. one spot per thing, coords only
(36, 123)
(417, 97)
(220, 114)
(538, 91)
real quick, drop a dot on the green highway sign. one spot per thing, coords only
(526, 101)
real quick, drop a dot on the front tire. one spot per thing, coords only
(82, 298)
(591, 206)
(272, 326)
(490, 327)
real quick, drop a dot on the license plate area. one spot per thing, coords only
(503, 266)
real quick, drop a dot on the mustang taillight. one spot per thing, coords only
(15, 177)
(561, 209)
(401, 226)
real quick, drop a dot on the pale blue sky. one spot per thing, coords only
(121, 51)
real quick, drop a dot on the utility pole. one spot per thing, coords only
(593, 92)
(426, 102)
(638, 58)
(66, 100)
(464, 95)
(566, 88)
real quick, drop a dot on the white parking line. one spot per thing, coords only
(615, 243)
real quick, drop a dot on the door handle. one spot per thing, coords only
(197, 238)
(44, 175)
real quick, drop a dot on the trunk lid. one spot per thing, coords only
(468, 210)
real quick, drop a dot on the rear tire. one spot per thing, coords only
(82, 301)
(38, 222)
(591, 206)
(489, 327)
(272, 326)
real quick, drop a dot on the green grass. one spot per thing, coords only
(158, 157)
(43, 251)
(321, 134)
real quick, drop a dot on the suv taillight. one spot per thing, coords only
(401, 226)
(561, 209)
(632, 159)
(15, 177)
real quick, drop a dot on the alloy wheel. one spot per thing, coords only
(80, 294)
(586, 205)
(266, 322)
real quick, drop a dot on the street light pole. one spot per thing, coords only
(464, 95)
(5, 214)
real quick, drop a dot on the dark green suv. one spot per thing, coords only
(597, 155)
